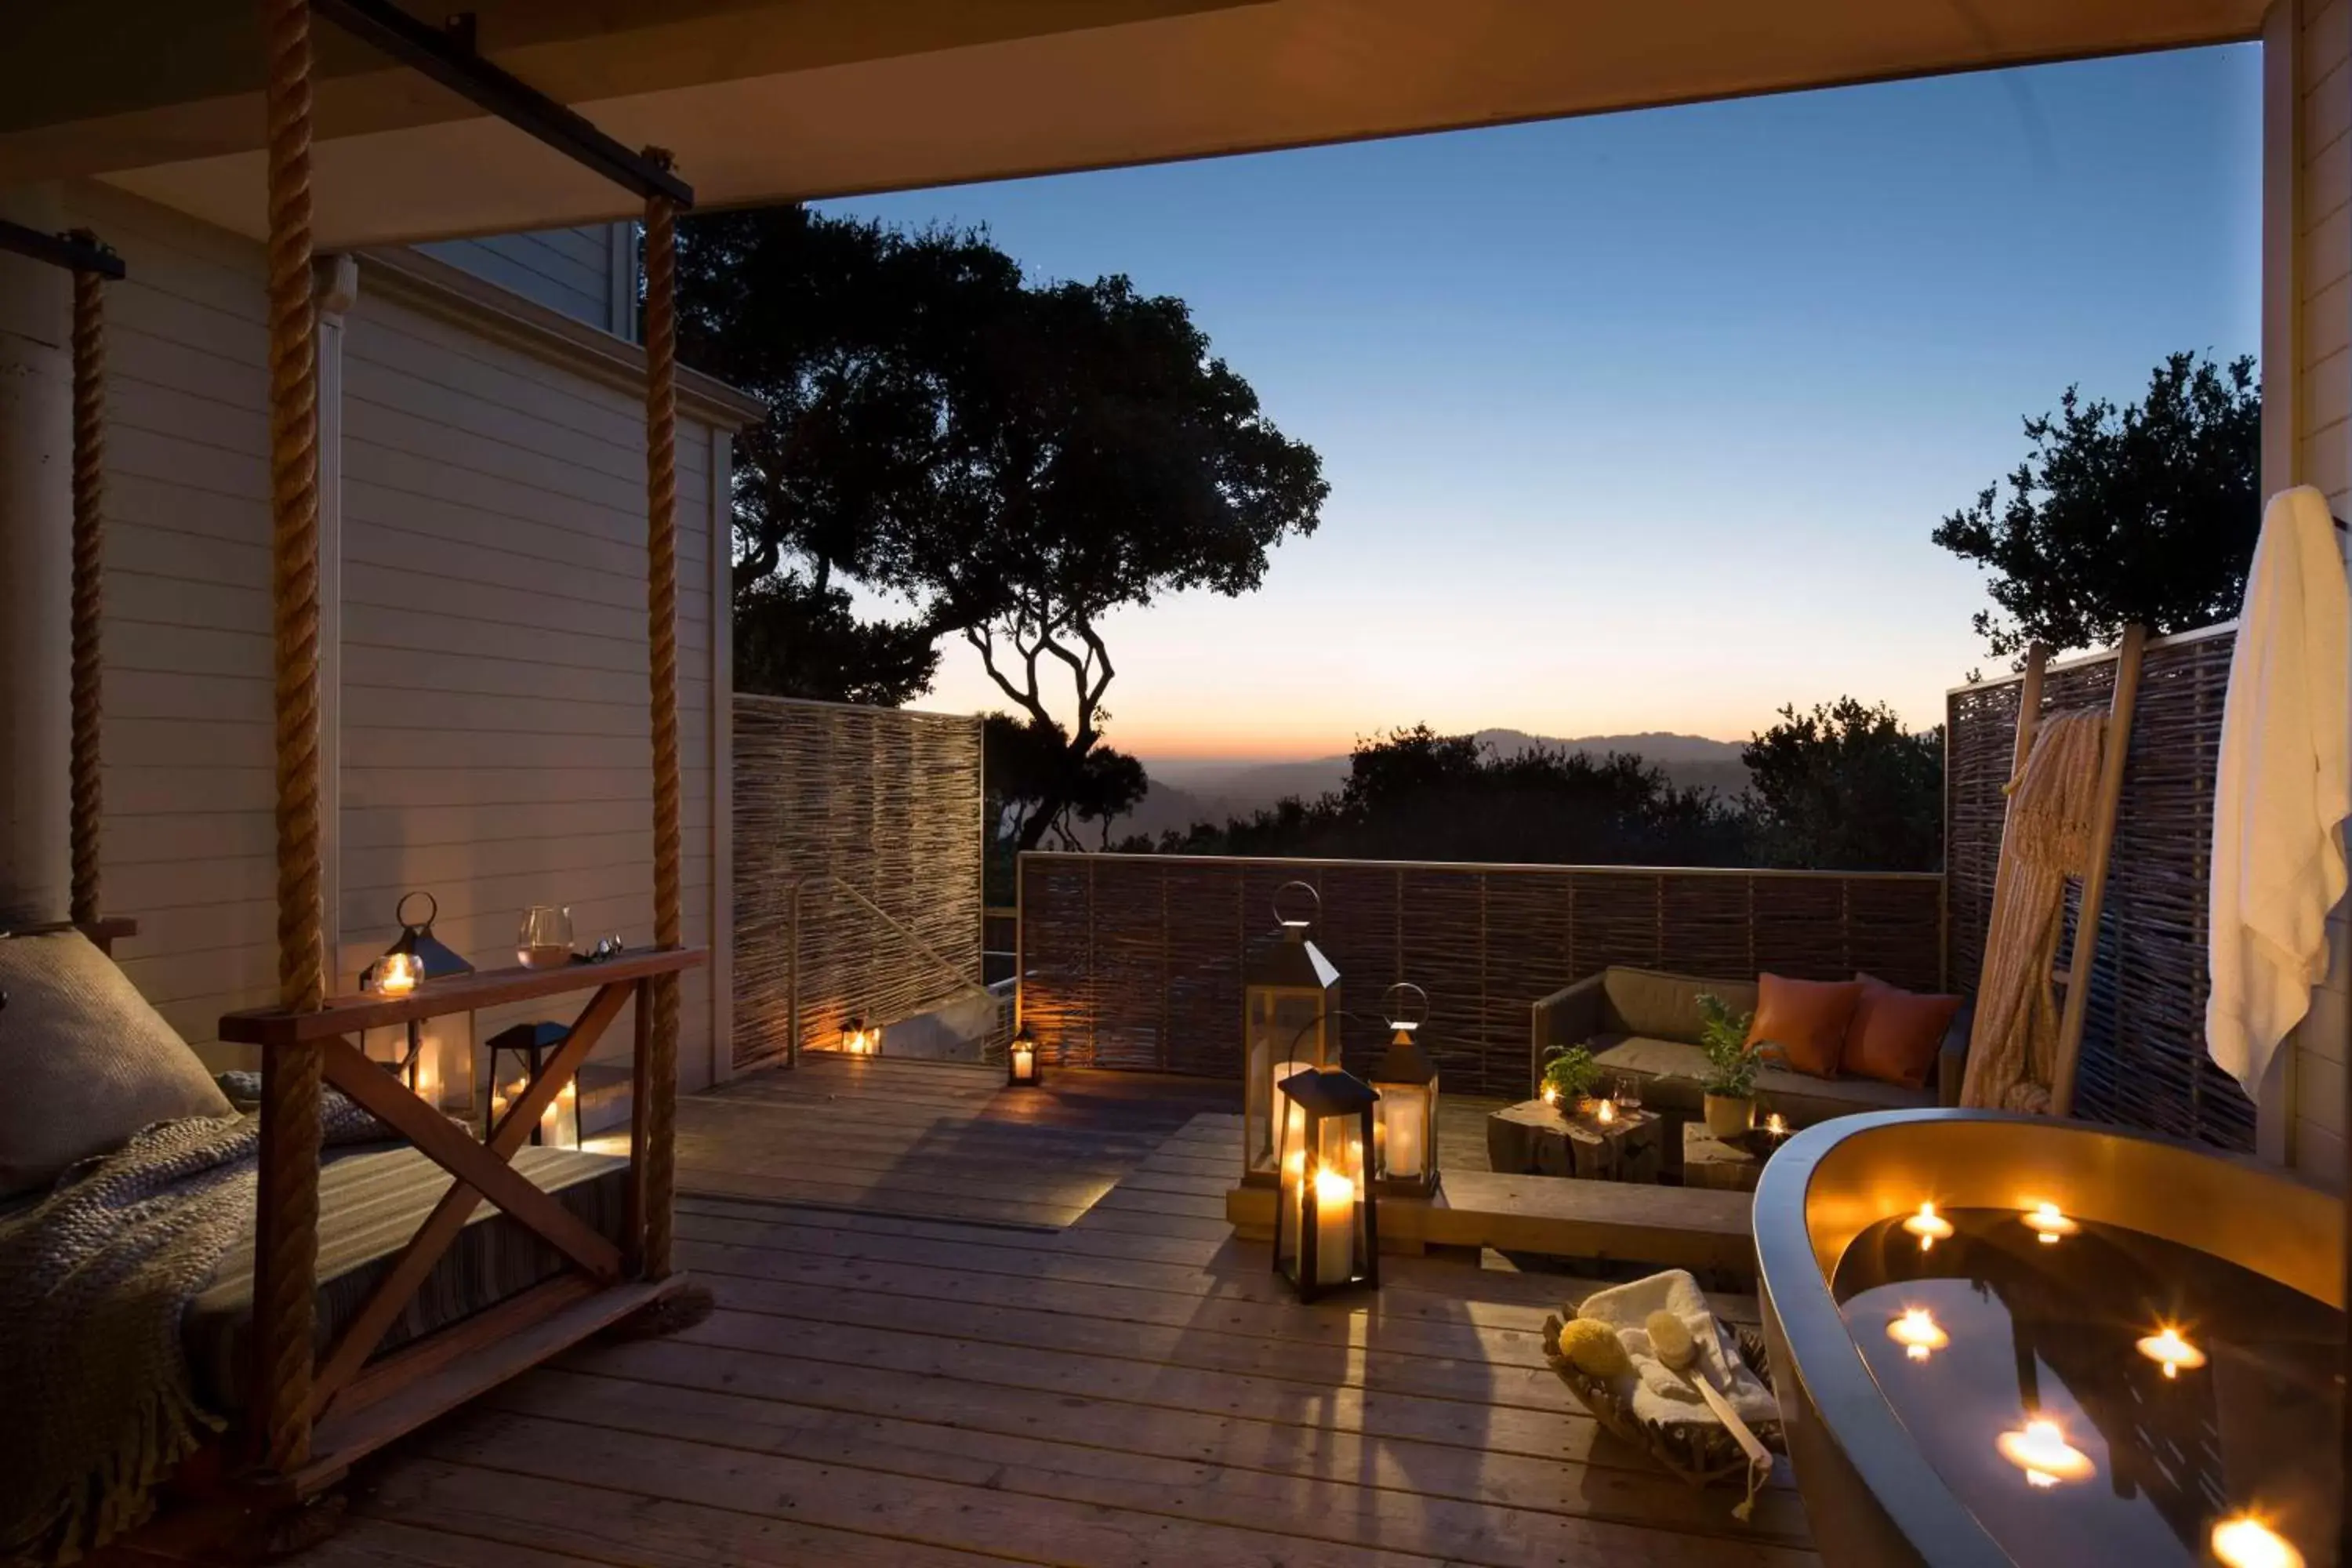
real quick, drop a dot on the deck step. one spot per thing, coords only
(1561, 1216)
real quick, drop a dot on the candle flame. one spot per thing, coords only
(1607, 1112)
(1918, 1333)
(2170, 1351)
(1929, 1226)
(2042, 1451)
(2242, 1541)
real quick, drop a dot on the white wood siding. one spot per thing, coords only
(493, 671)
(579, 271)
(2308, 372)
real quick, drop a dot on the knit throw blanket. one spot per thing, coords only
(93, 1282)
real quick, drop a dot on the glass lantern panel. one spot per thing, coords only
(1405, 1129)
(1287, 1033)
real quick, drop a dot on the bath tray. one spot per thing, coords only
(1700, 1452)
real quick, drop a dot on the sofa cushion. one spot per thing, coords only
(1661, 1006)
(1895, 1034)
(1806, 1019)
(1674, 1073)
(86, 1060)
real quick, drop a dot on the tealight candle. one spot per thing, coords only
(2048, 1224)
(1605, 1111)
(1776, 1125)
(2042, 1451)
(1918, 1333)
(398, 973)
(2170, 1352)
(2246, 1542)
(1929, 1226)
(1552, 1097)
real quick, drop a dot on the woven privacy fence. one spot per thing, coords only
(2144, 1062)
(875, 815)
(1136, 961)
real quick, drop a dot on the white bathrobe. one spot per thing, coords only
(2284, 787)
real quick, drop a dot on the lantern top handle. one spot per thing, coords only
(1285, 922)
(432, 910)
(1394, 1014)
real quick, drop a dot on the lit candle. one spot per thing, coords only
(1605, 1111)
(1776, 1125)
(1405, 1153)
(1918, 1333)
(559, 1111)
(1294, 1119)
(1335, 1227)
(2170, 1352)
(1929, 1226)
(1024, 1061)
(2047, 1223)
(1552, 1097)
(398, 973)
(2244, 1542)
(2042, 1451)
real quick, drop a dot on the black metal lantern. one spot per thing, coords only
(1022, 1069)
(1326, 1223)
(1290, 1022)
(529, 1045)
(859, 1039)
(415, 957)
(1404, 1126)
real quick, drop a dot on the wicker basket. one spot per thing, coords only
(1700, 1452)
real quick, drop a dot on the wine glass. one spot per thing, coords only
(1628, 1094)
(545, 939)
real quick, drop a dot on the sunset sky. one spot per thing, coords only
(1642, 422)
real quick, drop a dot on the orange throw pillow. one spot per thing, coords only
(1895, 1034)
(1807, 1019)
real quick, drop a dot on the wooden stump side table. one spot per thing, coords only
(1732, 1165)
(1532, 1138)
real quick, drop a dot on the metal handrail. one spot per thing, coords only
(792, 953)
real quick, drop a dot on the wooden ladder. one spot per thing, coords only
(2114, 749)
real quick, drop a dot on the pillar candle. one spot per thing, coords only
(1404, 1140)
(1291, 1122)
(1335, 1227)
(1024, 1063)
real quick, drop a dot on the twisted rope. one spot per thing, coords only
(88, 580)
(287, 1257)
(661, 607)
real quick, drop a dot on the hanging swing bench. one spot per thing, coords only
(319, 1390)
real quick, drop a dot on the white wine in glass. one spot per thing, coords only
(545, 940)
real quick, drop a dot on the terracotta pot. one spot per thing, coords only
(1727, 1117)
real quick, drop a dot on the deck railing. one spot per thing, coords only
(1135, 961)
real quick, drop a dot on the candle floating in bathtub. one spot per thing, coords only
(2042, 1451)
(2047, 1224)
(2246, 1542)
(2170, 1352)
(1918, 1333)
(1929, 1226)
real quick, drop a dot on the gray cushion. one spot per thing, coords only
(86, 1060)
(1674, 1072)
(1662, 1006)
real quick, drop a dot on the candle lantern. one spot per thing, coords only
(1290, 1022)
(1326, 1223)
(1405, 1122)
(857, 1040)
(528, 1046)
(434, 1058)
(1020, 1068)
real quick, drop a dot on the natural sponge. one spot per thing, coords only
(1593, 1348)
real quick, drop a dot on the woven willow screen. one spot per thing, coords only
(2144, 1062)
(1135, 961)
(855, 805)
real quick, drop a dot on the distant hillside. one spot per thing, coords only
(1212, 792)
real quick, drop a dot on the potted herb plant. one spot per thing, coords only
(1731, 1065)
(1569, 1077)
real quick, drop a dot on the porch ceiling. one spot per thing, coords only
(765, 100)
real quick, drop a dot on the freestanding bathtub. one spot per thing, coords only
(1888, 1483)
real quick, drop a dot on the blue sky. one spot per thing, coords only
(1641, 422)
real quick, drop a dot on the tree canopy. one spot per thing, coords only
(1007, 461)
(2146, 513)
(1845, 788)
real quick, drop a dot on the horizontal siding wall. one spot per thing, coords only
(494, 746)
(574, 271)
(496, 736)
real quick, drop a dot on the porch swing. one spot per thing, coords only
(320, 1388)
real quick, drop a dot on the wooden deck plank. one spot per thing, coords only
(1344, 1510)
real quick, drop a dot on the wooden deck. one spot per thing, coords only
(1133, 1389)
